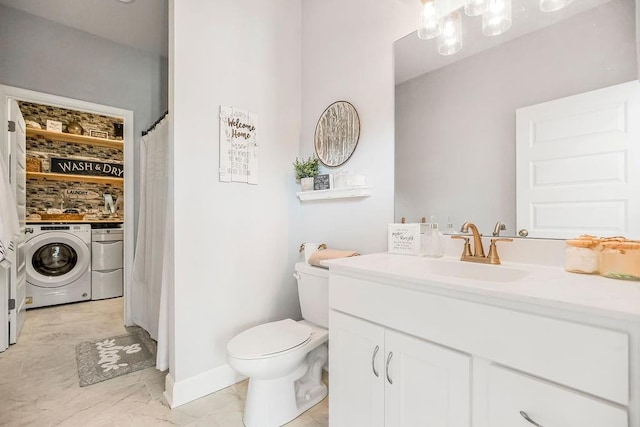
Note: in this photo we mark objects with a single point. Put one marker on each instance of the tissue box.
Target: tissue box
(345, 180)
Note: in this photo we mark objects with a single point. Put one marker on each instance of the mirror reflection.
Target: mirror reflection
(456, 120)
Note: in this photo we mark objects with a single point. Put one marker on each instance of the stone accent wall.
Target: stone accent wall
(86, 197)
(41, 113)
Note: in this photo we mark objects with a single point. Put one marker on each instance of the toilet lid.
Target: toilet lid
(268, 339)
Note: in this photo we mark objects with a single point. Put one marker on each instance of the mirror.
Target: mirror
(455, 121)
(337, 134)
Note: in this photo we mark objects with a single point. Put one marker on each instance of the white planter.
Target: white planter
(306, 184)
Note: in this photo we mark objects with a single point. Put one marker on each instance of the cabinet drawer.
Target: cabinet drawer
(106, 284)
(546, 404)
(106, 255)
(586, 358)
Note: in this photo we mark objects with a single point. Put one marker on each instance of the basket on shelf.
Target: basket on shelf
(61, 217)
(34, 165)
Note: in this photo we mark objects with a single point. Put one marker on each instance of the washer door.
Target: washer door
(56, 259)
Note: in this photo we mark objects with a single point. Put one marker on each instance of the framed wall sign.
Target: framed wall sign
(404, 239)
(98, 133)
(238, 145)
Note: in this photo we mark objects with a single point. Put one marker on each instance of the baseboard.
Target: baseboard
(187, 390)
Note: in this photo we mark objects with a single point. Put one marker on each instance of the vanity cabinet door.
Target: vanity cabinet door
(520, 400)
(427, 385)
(356, 388)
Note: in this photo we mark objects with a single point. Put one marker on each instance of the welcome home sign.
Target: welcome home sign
(86, 167)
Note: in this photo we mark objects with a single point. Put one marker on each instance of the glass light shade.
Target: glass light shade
(477, 7)
(498, 19)
(430, 25)
(553, 5)
(450, 40)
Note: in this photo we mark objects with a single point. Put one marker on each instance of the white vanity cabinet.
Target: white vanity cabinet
(390, 378)
(469, 358)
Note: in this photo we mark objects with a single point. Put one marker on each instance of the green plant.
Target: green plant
(306, 168)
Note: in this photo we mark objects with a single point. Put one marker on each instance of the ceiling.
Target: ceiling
(142, 24)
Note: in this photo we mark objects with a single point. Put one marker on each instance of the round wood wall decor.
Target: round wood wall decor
(337, 133)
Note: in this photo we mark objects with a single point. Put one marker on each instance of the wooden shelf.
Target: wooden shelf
(74, 178)
(76, 139)
(74, 221)
(336, 193)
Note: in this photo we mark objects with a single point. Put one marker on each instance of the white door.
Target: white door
(426, 385)
(17, 177)
(5, 279)
(356, 357)
(578, 164)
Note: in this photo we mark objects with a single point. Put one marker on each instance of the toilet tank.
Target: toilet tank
(313, 291)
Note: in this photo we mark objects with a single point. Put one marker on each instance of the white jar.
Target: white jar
(581, 256)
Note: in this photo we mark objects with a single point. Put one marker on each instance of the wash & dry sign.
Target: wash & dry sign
(86, 167)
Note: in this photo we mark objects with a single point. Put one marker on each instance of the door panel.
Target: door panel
(547, 404)
(356, 394)
(428, 385)
(576, 163)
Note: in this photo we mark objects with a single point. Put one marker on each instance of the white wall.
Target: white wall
(347, 54)
(455, 126)
(45, 56)
(231, 241)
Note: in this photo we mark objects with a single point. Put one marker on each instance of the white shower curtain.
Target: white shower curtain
(152, 279)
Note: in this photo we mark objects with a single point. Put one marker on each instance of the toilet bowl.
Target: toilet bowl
(284, 359)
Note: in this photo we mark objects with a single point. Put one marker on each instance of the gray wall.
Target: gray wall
(455, 126)
(44, 56)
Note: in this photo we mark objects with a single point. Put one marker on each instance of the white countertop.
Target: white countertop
(543, 285)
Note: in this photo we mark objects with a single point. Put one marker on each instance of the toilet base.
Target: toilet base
(275, 402)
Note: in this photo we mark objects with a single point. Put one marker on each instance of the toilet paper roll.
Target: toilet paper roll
(310, 248)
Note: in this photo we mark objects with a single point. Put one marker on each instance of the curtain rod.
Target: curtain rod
(153, 126)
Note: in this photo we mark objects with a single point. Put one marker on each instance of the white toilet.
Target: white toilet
(284, 359)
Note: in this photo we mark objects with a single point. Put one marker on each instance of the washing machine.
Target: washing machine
(58, 258)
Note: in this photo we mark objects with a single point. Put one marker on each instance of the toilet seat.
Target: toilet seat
(269, 339)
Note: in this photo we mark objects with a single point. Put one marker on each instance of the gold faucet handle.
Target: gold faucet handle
(493, 256)
(467, 246)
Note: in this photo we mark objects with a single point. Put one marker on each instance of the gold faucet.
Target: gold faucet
(478, 250)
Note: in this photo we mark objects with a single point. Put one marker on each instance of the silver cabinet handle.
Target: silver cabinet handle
(387, 368)
(523, 232)
(526, 417)
(373, 361)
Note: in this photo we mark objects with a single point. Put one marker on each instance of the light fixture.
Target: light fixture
(441, 19)
(498, 19)
(450, 40)
(476, 7)
(126, 1)
(553, 5)
(430, 23)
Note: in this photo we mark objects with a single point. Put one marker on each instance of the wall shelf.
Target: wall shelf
(75, 178)
(76, 139)
(336, 193)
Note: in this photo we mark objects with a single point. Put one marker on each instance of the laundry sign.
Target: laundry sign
(86, 167)
(238, 145)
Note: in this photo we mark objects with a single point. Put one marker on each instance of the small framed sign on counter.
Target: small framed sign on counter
(404, 239)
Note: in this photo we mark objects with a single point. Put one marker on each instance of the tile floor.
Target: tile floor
(39, 380)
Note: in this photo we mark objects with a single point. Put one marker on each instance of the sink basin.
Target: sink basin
(468, 270)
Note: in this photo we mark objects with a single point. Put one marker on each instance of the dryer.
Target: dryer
(58, 258)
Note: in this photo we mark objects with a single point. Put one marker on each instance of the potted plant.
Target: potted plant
(305, 171)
